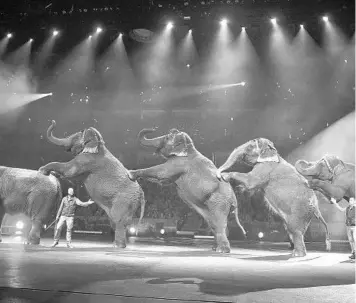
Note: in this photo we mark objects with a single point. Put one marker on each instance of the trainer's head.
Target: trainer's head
(70, 191)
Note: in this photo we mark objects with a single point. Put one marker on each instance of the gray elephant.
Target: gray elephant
(31, 193)
(330, 175)
(286, 192)
(104, 176)
(194, 177)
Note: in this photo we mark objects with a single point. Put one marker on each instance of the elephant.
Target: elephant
(330, 175)
(286, 192)
(193, 174)
(31, 193)
(103, 175)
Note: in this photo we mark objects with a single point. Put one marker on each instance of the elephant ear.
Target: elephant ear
(268, 153)
(92, 141)
(334, 164)
(181, 144)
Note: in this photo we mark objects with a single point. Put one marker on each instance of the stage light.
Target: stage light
(243, 28)
(169, 25)
(190, 31)
(188, 65)
(120, 35)
(223, 22)
(31, 40)
(325, 18)
(302, 26)
(243, 83)
(274, 21)
(260, 235)
(9, 35)
(55, 33)
(90, 36)
(99, 30)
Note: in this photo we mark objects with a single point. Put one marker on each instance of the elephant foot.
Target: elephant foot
(225, 248)
(33, 241)
(130, 176)
(119, 245)
(298, 254)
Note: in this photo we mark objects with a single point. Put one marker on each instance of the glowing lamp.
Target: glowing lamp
(132, 230)
(31, 40)
(223, 22)
(55, 33)
(243, 28)
(302, 26)
(260, 235)
(99, 30)
(9, 35)
(169, 25)
(274, 21)
(19, 225)
(162, 231)
(325, 18)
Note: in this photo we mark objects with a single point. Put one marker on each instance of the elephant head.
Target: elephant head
(252, 152)
(86, 141)
(175, 143)
(324, 169)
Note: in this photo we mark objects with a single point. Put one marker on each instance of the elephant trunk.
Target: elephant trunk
(58, 141)
(306, 168)
(155, 142)
(235, 156)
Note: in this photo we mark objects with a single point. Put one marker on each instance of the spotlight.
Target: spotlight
(99, 30)
(31, 40)
(132, 230)
(90, 36)
(162, 231)
(325, 18)
(223, 22)
(188, 65)
(243, 28)
(302, 26)
(9, 35)
(260, 235)
(243, 83)
(190, 31)
(274, 21)
(55, 33)
(169, 25)
(120, 35)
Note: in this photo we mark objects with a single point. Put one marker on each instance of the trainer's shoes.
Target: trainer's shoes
(55, 243)
(69, 245)
(352, 257)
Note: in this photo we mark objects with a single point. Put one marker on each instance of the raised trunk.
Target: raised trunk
(58, 141)
(235, 156)
(306, 168)
(155, 142)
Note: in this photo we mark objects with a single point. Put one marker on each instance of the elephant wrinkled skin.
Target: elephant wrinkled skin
(194, 177)
(330, 175)
(286, 192)
(104, 176)
(31, 193)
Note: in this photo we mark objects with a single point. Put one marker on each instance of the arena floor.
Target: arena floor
(174, 270)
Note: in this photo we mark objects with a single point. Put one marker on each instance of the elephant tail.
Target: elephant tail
(143, 204)
(319, 216)
(59, 194)
(236, 215)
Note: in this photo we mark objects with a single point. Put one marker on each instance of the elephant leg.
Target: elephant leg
(299, 245)
(222, 243)
(35, 233)
(2, 214)
(112, 231)
(120, 235)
